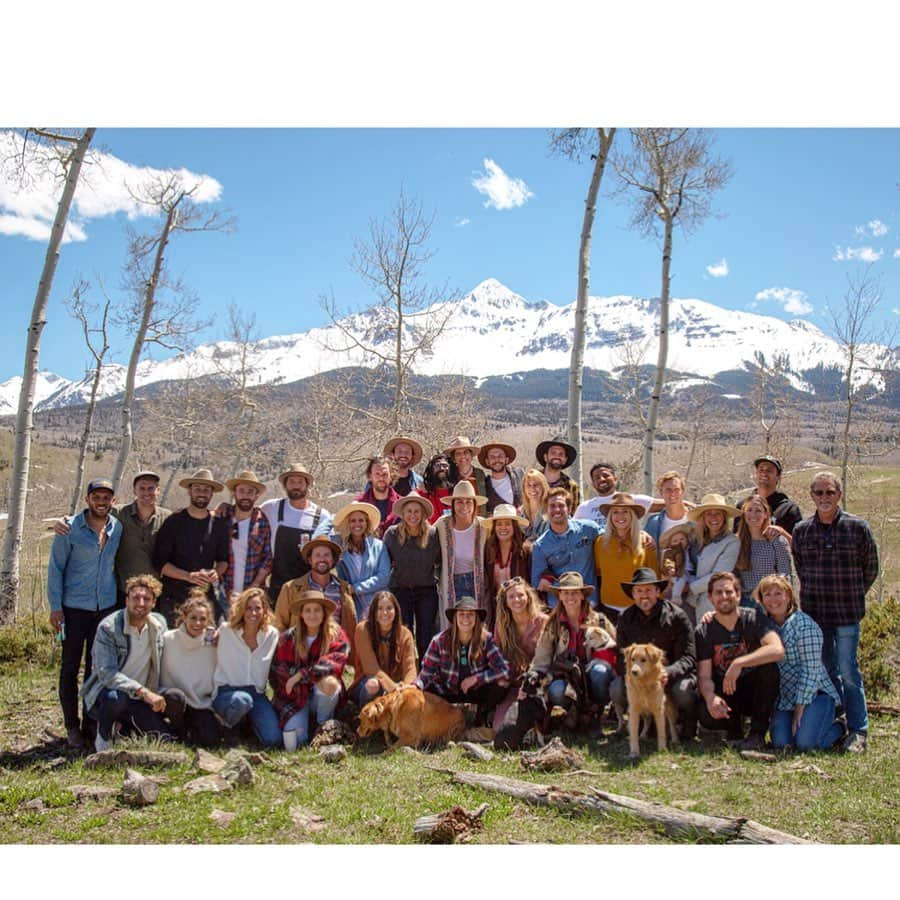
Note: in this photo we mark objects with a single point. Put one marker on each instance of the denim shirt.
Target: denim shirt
(571, 551)
(80, 575)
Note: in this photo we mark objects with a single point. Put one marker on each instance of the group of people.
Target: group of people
(489, 585)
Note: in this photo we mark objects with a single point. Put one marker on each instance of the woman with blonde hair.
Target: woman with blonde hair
(715, 548)
(534, 503)
(364, 564)
(307, 668)
(243, 656)
(763, 549)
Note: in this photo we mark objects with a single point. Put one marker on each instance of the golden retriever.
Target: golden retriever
(646, 695)
(412, 716)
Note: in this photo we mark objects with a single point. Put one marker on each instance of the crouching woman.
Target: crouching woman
(306, 672)
(463, 664)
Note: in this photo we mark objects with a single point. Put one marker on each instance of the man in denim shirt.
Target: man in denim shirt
(81, 587)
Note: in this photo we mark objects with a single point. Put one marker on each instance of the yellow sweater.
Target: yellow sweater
(615, 566)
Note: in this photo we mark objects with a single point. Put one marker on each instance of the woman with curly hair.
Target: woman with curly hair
(534, 503)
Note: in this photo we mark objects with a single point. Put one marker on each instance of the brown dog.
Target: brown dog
(646, 695)
(413, 716)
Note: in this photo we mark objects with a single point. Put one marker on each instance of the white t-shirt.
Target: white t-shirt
(590, 509)
(503, 488)
(239, 554)
(464, 550)
(137, 663)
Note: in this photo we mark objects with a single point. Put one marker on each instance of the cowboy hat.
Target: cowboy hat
(296, 469)
(416, 448)
(321, 541)
(460, 443)
(509, 451)
(463, 490)
(403, 502)
(665, 539)
(540, 452)
(505, 511)
(621, 500)
(712, 501)
(367, 509)
(245, 477)
(643, 575)
(202, 476)
(571, 581)
(466, 603)
(297, 603)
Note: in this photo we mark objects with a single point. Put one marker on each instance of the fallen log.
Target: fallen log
(883, 709)
(674, 822)
(108, 759)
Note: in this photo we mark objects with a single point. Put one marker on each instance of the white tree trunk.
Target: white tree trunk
(18, 486)
(85, 437)
(653, 411)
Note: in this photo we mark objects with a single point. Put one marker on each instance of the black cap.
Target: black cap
(769, 459)
(100, 484)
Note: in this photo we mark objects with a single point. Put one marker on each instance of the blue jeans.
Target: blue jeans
(817, 730)
(839, 656)
(113, 706)
(233, 703)
(599, 677)
(319, 703)
(361, 696)
(464, 585)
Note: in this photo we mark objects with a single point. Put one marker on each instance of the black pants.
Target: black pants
(193, 726)
(419, 608)
(81, 626)
(519, 719)
(755, 696)
(486, 696)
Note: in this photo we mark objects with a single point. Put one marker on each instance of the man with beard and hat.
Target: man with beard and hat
(293, 521)
(321, 555)
(250, 551)
(553, 456)
(461, 451)
(405, 453)
(504, 484)
(192, 546)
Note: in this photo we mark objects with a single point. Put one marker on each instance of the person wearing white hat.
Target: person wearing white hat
(250, 550)
(716, 548)
(365, 563)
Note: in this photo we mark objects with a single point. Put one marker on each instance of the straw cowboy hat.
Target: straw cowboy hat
(463, 490)
(245, 477)
(483, 452)
(466, 603)
(297, 603)
(369, 511)
(321, 541)
(643, 575)
(203, 476)
(621, 500)
(685, 528)
(571, 581)
(460, 443)
(296, 469)
(540, 452)
(424, 502)
(416, 448)
(505, 511)
(713, 501)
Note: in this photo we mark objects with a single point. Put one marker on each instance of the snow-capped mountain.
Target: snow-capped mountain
(491, 331)
(47, 385)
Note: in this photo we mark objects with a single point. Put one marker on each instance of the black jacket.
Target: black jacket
(668, 628)
(785, 512)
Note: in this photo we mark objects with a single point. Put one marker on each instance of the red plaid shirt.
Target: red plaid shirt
(440, 669)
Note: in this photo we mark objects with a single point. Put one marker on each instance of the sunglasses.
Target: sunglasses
(828, 493)
(518, 579)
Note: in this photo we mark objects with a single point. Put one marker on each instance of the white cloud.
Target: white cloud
(793, 301)
(719, 269)
(877, 228)
(864, 254)
(461, 223)
(107, 186)
(897, 253)
(502, 192)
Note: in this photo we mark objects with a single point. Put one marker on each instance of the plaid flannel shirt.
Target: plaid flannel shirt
(801, 673)
(836, 565)
(440, 670)
(259, 548)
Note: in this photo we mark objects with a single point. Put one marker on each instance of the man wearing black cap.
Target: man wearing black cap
(767, 475)
(81, 588)
(652, 620)
(554, 456)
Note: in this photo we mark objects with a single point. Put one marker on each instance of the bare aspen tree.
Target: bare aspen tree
(97, 341)
(165, 322)
(71, 151)
(575, 144)
(670, 176)
(768, 394)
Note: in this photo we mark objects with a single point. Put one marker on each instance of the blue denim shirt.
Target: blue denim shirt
(80, 575)
(571, 551)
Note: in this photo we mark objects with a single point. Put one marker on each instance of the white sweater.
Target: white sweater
(188, 664)
(238, 665)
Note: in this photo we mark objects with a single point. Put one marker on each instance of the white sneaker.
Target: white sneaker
(101, 744)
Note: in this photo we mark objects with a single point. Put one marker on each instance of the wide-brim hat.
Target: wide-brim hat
(371, 512)
(665, 539)
(202, 476)
(713, 501)
(245, 477)
(321, 541)
(644, 575)
(416, 448)
(540, 452)
(769, 459)
(463, 490)
(401, 504)
(466, 603)
(622, 500)
(506, 448)
(571, 581)
(505, 511)
(460, 442)
(296, 469)
(297, 603)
